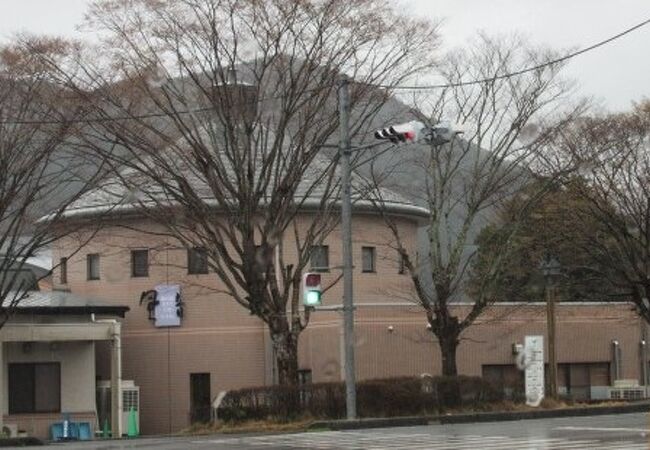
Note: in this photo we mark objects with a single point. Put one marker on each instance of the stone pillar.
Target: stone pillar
(116, 381)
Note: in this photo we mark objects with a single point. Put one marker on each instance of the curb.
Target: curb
(543, 414)
(359, 424)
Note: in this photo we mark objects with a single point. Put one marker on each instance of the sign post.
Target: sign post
(534, 375)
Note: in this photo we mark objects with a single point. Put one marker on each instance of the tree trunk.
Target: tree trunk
(448, 347)
(285, 346)
(449, 388)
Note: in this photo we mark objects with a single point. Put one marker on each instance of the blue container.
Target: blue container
(76, 431)
(84, 432)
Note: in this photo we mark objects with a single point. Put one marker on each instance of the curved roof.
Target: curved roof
(128, 193)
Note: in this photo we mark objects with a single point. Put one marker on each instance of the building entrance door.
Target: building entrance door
(200, 398)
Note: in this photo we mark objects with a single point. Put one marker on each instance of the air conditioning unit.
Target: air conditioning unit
(10, 430)
(130, 399)
(627, 393)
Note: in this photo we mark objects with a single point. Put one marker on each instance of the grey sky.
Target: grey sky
(616, 74)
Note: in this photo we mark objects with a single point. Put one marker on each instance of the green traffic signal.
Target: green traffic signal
(312, 298)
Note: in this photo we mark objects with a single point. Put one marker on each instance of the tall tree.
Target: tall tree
(225, 106)
(43, 170)
(613, 153)
(506, 123)
(552, 227)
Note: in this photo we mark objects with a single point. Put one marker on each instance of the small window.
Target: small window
(197, 261)
(304, 377)
(139, 263)
(320, 258)
(34, 388)
(92, 266)
(63, 270)
(368, 259)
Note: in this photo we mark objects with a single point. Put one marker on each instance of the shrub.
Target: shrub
(375, 398)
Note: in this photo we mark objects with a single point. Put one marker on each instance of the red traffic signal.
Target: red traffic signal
(404, 132)
(312, 280)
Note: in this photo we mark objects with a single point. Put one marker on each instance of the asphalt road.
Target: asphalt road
(612, 432)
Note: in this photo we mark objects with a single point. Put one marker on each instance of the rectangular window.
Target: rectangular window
(34, 388)
(92, 266)
(368, 259)
(63, 270)
(139, 263)
(320, 258)
(304, 377)
(197, 261)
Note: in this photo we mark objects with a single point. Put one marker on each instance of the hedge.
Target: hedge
(375, 398)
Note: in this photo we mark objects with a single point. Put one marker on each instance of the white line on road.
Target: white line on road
(628, 430)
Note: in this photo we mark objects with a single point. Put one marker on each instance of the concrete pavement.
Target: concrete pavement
(609, 432)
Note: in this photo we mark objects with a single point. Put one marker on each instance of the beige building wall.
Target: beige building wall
(77, 365)
(77, 362)
(217, 336)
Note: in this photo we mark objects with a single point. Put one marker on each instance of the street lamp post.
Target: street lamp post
(551, 269)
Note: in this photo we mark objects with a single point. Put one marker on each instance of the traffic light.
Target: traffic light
(415, 131)
(311, 289)
(409, 132)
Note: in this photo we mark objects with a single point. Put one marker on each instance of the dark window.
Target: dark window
(139, 263)
(197, 261)
(92, 266)
(368, 259)
(34, 388)
(304, 377)
(505, 377)
(200, 397)
(320, 258)
(63, 270)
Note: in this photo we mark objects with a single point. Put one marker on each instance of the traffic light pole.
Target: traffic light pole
(346, 231)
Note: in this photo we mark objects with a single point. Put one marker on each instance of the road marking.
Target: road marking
(629, 430)
(335, 440)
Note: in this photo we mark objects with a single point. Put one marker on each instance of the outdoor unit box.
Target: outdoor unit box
(10, 430)
(130, 399)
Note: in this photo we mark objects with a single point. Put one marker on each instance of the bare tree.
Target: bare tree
(613, 153)
(224, 109)
(506, 121)
(42, 169)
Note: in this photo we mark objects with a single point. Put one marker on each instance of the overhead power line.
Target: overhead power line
(394, 87)
(527, 69)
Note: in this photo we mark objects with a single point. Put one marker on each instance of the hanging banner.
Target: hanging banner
(169, 309)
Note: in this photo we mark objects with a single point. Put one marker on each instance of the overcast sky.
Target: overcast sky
(616, 74)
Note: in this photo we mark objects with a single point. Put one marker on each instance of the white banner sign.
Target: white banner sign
(167, 309)
(534, 362)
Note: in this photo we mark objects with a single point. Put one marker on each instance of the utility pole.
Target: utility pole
(346, 232)
(551, 269)
(550, 322)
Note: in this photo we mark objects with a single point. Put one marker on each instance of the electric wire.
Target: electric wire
(525, 70)
(386, 86)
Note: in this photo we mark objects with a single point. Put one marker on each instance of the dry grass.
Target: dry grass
(258, 426)
(269, 426)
